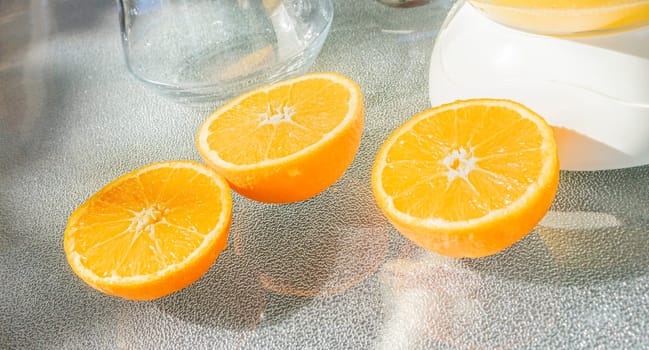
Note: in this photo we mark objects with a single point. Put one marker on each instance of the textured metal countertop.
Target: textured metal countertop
(328, 273)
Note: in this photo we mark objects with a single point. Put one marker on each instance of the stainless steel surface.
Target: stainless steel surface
(327, 273)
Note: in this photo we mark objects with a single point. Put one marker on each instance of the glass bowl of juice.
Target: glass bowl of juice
(567, 17)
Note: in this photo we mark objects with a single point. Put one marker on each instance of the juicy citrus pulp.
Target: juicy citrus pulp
(152, 231)
(567, 17)
(287, 141)
(467, 179)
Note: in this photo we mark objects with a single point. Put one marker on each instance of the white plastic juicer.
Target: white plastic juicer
(593, 89)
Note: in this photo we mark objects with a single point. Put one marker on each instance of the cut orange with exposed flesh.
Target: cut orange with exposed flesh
(287, 141)
(469, 178)
(150, 232)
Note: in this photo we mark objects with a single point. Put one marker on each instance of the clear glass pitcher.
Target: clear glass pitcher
(207, 50)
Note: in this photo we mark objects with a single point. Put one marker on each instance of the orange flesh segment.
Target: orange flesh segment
(423, 186)
(278, 123)
(146, 224)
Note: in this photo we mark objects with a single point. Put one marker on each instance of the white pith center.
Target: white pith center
(147, 217)
(142, 222)
(283, 114)
(460, 163)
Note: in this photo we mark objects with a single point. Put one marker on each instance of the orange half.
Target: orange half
(469, 178)
(287, 141)
(152, 231)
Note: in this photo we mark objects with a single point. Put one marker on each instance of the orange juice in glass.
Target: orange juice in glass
(565, 17)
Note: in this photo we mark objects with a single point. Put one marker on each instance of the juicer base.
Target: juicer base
(593, 90)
